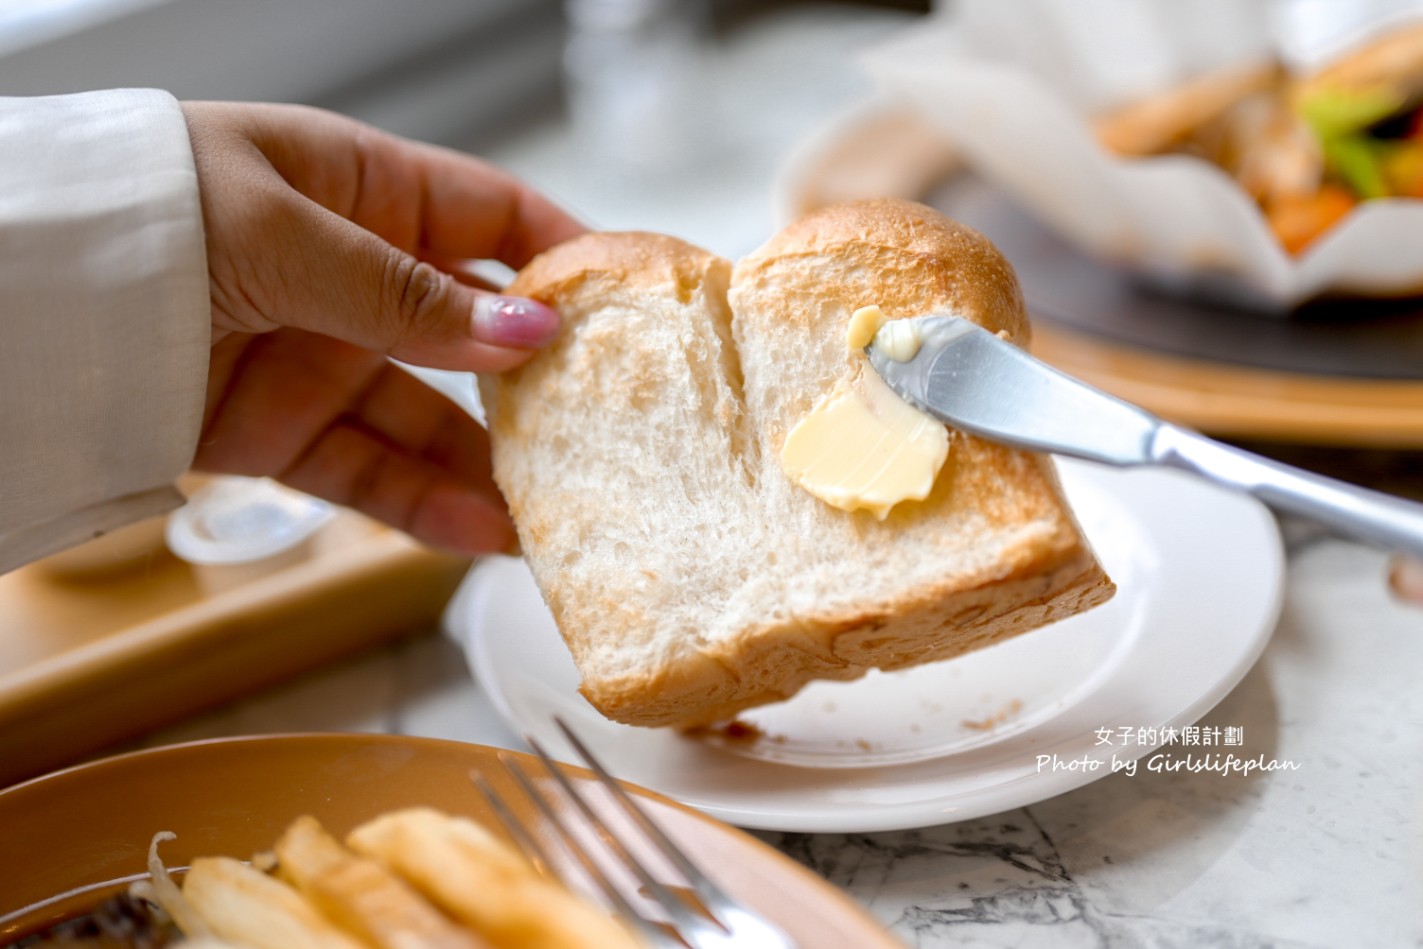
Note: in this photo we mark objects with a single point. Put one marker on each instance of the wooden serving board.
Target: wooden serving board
(114, 639)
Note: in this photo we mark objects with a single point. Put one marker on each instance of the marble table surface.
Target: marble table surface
(1327, 855)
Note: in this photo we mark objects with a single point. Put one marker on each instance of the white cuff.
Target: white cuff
(105, 322)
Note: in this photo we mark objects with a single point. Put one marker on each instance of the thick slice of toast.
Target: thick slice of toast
(640, 456)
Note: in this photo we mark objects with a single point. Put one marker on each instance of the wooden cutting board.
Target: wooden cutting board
(113, 639)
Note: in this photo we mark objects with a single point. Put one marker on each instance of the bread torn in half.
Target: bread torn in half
(640, 456)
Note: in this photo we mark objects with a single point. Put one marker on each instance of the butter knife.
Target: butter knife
(970, 378)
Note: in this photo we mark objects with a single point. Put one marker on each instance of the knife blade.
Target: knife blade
(974, 381)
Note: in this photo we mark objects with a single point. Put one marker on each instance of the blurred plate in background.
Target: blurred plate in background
(1338, 373)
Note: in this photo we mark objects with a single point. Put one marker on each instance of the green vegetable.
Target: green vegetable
(1333, 113)
(1359, 161)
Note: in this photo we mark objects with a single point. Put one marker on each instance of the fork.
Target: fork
(712, 919)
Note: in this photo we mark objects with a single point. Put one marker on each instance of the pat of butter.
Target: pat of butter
(898, 339)
(864, 324)
(862, 447)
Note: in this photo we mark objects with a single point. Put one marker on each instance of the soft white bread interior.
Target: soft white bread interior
(639, 454)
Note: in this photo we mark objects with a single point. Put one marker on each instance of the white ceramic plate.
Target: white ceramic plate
(1199, 574)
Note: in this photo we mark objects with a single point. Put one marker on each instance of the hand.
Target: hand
(330, 246)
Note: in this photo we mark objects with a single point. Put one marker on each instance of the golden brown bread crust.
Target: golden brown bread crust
(910, 260)
(627, 257)
(909, 253)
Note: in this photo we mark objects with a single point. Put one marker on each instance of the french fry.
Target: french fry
(1154, 124)
(362, 896)
(478, 879)
(247, 907)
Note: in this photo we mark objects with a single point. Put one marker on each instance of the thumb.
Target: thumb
(330, 276)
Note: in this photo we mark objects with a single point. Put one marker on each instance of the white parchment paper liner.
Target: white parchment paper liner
(1178, 220)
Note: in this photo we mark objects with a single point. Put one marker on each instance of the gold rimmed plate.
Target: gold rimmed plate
(76, 836)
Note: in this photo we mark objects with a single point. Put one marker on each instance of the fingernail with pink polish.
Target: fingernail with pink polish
(513, 321)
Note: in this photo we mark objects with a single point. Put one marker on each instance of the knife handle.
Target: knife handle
(1369, 516)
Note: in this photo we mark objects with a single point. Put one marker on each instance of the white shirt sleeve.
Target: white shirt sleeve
(105, 320)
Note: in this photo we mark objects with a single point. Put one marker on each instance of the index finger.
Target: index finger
(426, 200)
